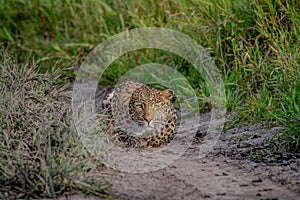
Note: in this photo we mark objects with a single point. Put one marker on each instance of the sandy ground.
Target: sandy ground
(226, 172)
(222, 174)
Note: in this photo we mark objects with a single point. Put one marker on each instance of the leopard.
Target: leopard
(140, 116)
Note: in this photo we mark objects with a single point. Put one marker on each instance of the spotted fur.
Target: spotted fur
(140, 115)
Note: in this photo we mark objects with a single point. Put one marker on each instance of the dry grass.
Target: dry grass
(40, 156)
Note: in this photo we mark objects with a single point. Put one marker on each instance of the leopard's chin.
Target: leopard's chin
(149, 128)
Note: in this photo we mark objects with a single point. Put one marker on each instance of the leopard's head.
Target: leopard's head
(150, 108)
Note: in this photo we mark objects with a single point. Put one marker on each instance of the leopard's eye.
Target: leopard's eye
(140, 105)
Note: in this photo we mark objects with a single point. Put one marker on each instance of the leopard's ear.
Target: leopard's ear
(167, 94)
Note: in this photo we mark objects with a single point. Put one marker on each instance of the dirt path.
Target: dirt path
(225, 173)
(222, 174)
(207, 178)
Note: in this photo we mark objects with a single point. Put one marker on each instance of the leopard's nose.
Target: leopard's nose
(148, 119)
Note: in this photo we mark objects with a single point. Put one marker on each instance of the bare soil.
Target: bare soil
(227, 172)
(222, 174)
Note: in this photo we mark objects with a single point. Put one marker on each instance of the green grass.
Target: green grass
(256, 45)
